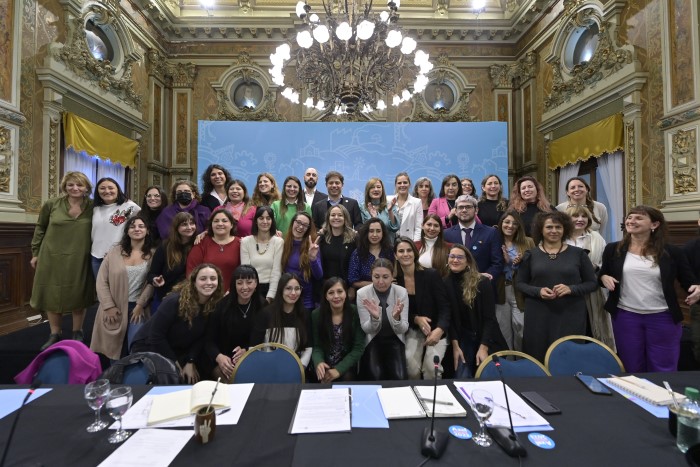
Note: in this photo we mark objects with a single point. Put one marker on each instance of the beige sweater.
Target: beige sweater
(113, 291)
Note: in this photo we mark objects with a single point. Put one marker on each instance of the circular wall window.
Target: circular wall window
(581, 45)
(247, 95)
(98, 42)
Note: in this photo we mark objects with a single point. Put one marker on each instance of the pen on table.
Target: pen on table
(464, 391)
(634, 383)
(221, 412)
(437, 401)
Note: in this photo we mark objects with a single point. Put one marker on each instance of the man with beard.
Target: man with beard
(312, 195)
(334, 185)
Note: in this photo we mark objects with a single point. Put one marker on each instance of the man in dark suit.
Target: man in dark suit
(334, 185)
(311, 194)
(483, 242)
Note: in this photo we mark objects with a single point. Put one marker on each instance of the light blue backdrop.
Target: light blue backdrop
(359, 151)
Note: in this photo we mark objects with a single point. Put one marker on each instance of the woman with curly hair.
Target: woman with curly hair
(214, 182)
(528, 199)
(492, 204)
(301, 255)
(178, 330)
(474, 330)
(123, 291)
(266, 191)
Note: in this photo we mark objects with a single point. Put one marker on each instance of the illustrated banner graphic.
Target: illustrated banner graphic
(359, 151)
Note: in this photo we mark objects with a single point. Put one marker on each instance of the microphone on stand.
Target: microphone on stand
(434, 442)
(35, 384)
(503, 435)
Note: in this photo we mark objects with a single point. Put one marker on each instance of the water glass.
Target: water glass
(96, 394)
(482, 405)
(119, 402)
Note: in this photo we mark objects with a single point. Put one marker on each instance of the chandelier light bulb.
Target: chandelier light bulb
(304, 39)
(321, 34)
(381, 105)
(405, 95)
(314, 18)
(384, 16)
(365, 30)
(321, 105)
(344, 31)
(425, 67)
(300, 9)
(408, 45)
(396, 101)
(397, 3)
(421, 57)
(276, 60)
(283, 50)
(393, 38)
(207, 3)
(478, 4)
(309, 102)
(420, 84)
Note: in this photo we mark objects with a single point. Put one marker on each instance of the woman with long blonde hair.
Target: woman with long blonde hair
(474, 330)
(266, 191)
(375, 205)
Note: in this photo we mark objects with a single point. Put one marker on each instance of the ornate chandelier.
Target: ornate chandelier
(348, 61)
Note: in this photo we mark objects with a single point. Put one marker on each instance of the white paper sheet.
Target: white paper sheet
(149, 448)
(322, 411)
(523, 415)
(137, 416)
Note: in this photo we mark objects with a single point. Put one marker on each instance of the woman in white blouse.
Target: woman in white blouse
(263, 251)
(409, 207)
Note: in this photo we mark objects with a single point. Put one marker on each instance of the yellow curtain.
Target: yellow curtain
(595, 140)
(83, 135)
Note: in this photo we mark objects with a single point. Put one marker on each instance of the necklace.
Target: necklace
(257, 247)
(552, 256)
(245, 313)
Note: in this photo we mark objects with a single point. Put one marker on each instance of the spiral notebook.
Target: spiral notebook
(644, 389)
(417, 402)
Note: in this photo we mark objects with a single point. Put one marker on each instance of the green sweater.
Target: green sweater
(352, 355)
(284, 222)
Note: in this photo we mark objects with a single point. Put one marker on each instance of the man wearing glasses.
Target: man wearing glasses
(484, 243)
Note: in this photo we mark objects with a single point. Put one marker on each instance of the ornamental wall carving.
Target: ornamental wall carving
(511, 76)
(116, 77)
(173, 74)
(684, 160)
(453, 103)
(5, 160)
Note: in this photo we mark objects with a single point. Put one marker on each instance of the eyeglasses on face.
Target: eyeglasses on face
(292, 288)
(457, 257)
(156, 195)
(301, 224)
(467, 207)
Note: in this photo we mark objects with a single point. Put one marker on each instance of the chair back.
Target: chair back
(522, 365)
(55, 369)
(269, 363)
(573, 354)
(136, 373)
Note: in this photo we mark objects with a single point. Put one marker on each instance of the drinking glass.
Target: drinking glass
(96, 394)
(482, 404)
(118, 403)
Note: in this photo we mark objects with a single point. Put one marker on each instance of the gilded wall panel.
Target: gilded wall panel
(680, 37)
(684, 162)
(29, 168)
(527, 123)
(502, 108)
(7, 14)
(181, 128)
(157, 122)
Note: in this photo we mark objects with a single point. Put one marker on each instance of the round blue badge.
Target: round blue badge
(541, 441)
(460, 432)
(474, 248)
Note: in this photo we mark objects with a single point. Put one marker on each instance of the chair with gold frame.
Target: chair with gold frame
(522, 365)
(581, 354)
(269, 363)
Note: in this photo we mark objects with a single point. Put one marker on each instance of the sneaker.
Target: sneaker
(53, 338)
(78, 335)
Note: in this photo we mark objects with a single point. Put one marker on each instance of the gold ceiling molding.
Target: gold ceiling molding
(513, 75)
(503, 21)
(75, 54)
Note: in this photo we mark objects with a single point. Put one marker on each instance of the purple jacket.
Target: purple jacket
(84, 363)
(199, 212)
(293, 266)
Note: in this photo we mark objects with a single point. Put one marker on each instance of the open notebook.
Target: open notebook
(417, 402)
(644, 389)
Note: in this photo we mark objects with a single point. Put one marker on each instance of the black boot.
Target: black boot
(78, 335)
(53, 338)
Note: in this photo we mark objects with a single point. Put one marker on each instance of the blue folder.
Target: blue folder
(366, 409)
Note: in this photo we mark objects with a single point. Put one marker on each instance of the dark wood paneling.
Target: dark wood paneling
(16, 275)
(679, 233)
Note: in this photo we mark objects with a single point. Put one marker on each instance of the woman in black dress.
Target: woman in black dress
(554, 277)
